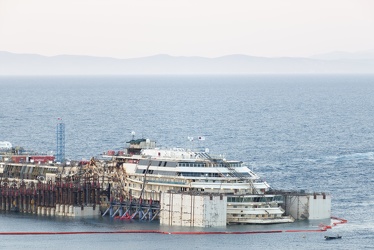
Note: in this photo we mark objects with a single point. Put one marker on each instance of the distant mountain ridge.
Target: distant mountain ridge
(332, 63)
(339, 55)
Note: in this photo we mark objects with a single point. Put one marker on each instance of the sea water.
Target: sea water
(296, 131)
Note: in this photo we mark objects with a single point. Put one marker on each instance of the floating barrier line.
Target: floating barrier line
(225, 232)
(321, 229)
(84, 232)
(134, 232)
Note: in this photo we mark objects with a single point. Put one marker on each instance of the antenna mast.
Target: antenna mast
(60, 133)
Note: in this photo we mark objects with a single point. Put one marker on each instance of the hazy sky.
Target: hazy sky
(211, 28)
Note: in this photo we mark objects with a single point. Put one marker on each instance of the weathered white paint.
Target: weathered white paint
(85, 212)
(320, 208)
(75, 211)
(308, 206)
(196, 210)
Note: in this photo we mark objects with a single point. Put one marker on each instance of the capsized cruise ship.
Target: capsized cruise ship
(147, 171)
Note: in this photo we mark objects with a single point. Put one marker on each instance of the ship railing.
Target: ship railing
(295, 192)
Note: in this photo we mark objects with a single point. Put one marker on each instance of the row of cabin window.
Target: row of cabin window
(186, 164)
(198, 165)
(204, 164)
(254, 199)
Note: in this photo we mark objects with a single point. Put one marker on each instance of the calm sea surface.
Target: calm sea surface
(297, 132)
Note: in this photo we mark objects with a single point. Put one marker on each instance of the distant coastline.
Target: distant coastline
(331, 63)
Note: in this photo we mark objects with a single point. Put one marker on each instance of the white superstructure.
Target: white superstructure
(5, 145)
(150, 171)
